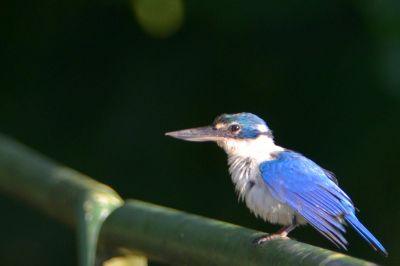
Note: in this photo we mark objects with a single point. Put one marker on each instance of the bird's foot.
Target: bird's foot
(282, 233)
(264, 238)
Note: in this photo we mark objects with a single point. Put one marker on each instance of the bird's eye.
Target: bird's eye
(234, 128)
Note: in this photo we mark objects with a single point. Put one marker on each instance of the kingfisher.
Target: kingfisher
(279, 185)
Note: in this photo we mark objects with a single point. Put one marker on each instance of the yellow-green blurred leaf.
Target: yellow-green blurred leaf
(159, 18)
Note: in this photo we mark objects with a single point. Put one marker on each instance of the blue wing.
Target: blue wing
(311, 191)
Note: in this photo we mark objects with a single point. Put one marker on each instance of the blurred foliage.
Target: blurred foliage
(159, 18)
(95, 85)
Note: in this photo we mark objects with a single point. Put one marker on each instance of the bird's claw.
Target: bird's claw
(264, 238)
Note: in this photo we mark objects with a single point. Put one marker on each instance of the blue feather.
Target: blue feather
(360, 228)
(313, 193)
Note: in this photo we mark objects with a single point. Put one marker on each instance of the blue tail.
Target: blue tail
(357, 225)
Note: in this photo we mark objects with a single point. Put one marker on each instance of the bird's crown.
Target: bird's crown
(242, 125)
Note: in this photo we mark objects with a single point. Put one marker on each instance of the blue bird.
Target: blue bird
(279, 185)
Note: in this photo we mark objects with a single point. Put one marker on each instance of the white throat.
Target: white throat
(258, 149)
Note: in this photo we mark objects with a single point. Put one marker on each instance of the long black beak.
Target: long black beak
(207, 133)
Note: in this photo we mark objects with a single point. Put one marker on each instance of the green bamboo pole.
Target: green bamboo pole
(137, 227)
(61, 192)
(179, 238)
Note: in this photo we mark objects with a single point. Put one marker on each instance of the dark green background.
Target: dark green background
(84, 83)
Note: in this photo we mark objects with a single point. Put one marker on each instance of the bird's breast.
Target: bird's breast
(252, 189)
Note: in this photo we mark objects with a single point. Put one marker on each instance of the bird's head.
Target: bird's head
(235, 133)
